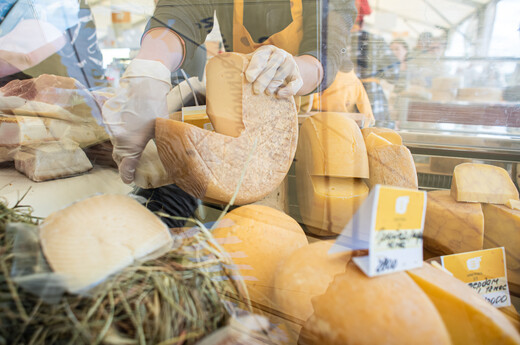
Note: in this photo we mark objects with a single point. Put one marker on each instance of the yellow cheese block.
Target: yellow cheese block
(387, 133)
(328, 203)
(306, 273)
(389, 309)
(474, 182)
(450, 226)
(373, 140)
(392, 165)
(502, 229)
(331, 144)
(224, 88)
(259, 239)
(467, 316)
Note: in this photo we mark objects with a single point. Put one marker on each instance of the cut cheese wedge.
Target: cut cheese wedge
(213, 166)
(306, 273)
(467, 316)
(22, 130)
(502, 229)
(92, 239)
(373, 140)
(389, 309)
(513, 204)
(327, 204)
(392, 165)
(387, 133)
(452, 227)
(259, 239)
(484, 183)
(331, 144)
(51, 160)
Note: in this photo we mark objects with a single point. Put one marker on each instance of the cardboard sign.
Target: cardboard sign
(484, 271)
(389, 224)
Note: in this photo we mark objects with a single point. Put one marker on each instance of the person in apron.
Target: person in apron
(296, 47)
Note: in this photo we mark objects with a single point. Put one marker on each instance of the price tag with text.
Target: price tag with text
(390, 225)
(484, 271)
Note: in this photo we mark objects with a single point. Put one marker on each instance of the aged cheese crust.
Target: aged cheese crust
(210, 165)
(392, 165)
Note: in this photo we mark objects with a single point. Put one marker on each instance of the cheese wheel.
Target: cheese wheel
(467, 316)
(306, 273)
(259, 239)
(212, 166)
(452, 227)
(387, 133)
(94, 238)
(484, 183)
(388, 309)
(392, 165)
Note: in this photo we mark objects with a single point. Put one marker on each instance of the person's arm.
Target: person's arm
(163, 45)
(311, 72)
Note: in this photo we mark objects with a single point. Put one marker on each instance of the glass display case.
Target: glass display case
(221, 171)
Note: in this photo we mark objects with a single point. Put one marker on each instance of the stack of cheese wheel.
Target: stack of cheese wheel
(252, 147)
(420, 306)
(259, 238)
(331, 161)
(482, 210)
(390, 162)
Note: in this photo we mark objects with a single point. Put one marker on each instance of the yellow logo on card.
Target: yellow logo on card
(399, 209)
(476, 266)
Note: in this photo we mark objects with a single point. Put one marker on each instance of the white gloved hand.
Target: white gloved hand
(274, 71)
(130, 115)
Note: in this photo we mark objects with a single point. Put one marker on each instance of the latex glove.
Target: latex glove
(274, 71)
(130, 115)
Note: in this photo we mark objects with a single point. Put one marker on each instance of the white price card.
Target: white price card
(390, 225)
(484, 271)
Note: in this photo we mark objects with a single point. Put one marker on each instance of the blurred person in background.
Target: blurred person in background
(373, 61)
(49, 37)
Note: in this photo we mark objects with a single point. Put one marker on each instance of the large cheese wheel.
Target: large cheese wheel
(306, 273)
(452, 227)
(388, 309)
(259, 239)
(213, 166)
(467, 316)
(485, 183)
(96, 237)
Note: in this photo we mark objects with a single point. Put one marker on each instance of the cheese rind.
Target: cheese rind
(387, 133)
(96, 237)
(392, 165)
(259, 239)
(452, 227)
(331, 144)
(502, 229)
(484, 183)
(401, 313)
(47, 161)
(467, 316)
